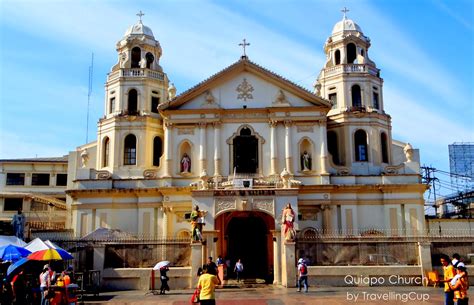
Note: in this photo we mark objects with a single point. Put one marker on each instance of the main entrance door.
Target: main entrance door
(247, 236)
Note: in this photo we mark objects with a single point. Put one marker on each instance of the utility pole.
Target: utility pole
(429, 178)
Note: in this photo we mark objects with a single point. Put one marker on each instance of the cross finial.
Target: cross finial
(344, 11)
(243, 44)
(140, 15)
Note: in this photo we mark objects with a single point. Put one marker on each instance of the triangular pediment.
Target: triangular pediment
(245, 85)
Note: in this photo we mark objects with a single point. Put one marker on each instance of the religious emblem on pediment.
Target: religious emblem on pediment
(245, 90)
(209, 98)
(281, 100)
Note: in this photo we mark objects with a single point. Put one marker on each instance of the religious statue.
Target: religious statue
(123, 60)
(171, 92)
(142, 63)
(197, 221)
(317, 88)
(18, 223)
(408, 150)
(84, 158)
(306, 161)
(285, 177)
(185, 164)
(287, 223)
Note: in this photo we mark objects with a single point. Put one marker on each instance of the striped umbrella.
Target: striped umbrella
(50, 254)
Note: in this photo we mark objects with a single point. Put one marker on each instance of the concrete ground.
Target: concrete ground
(271, 295)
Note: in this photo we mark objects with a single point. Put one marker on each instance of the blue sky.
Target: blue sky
(424, 49)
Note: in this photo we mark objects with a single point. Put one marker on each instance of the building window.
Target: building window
(356, 96)
(136, 57)
(112, 104)
(360, 140)
(351, 53)
(132, 102)
(15, 179)
(154, 104)
(333, 98)
(61, 179)
(130, 150)
(157, 151)
(105, 157)
(375, 100)
(384, 146)
(337, 56)
(12, 204)
(149, 60)
(40, 179)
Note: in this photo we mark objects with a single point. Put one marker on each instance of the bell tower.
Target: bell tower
(359, 130)
(130, 134)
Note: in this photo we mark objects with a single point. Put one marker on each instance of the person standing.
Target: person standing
(45, 282)
(220, 269)
(211, 266)
(302, 275)
(238, 269)
(460, 285)
(207, 285)
(449, 274)
(18, 223)
(164, 280)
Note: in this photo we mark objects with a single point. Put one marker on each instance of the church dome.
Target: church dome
(346, 25)
(139, 29)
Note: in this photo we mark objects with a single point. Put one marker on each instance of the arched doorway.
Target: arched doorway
(245, 152)
(247, 235)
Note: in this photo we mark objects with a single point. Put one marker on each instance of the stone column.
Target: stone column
(202, 147)
(424, 254)
(217, 149)
(168, 149)
(324, 154)
(196, 262)
(326, 211)
(276, 257)
(288, 155)
(273, 149)
(288, 272)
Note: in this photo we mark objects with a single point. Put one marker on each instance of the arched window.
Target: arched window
(384, 147)
(332, 147)
(337, 56)
(360, 140)
(132, 102)
(157, 151)
(130, 150)
(362, 52)
(351, 53)
(106, 150)
(136, 57)
(149, 60)
(356, 96)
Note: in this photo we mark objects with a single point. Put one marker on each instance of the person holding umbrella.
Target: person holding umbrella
(164, 279)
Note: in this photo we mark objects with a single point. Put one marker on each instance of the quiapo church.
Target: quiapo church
(242, 145)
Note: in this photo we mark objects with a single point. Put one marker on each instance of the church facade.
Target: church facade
(242, 145)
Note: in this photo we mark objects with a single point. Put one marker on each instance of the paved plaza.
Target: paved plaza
(269, 295)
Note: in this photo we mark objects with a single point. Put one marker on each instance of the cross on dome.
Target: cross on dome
(243, 44)
(344, 11)
(140, 15)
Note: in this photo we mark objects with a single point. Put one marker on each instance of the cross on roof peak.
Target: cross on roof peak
(140, 15)
(243, 44)
(344, 11)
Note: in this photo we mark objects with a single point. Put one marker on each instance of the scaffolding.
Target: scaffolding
(461, 165)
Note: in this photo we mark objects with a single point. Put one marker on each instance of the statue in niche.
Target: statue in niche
(197, 222)
(287, 223)
(185, 164)
(306, 161)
